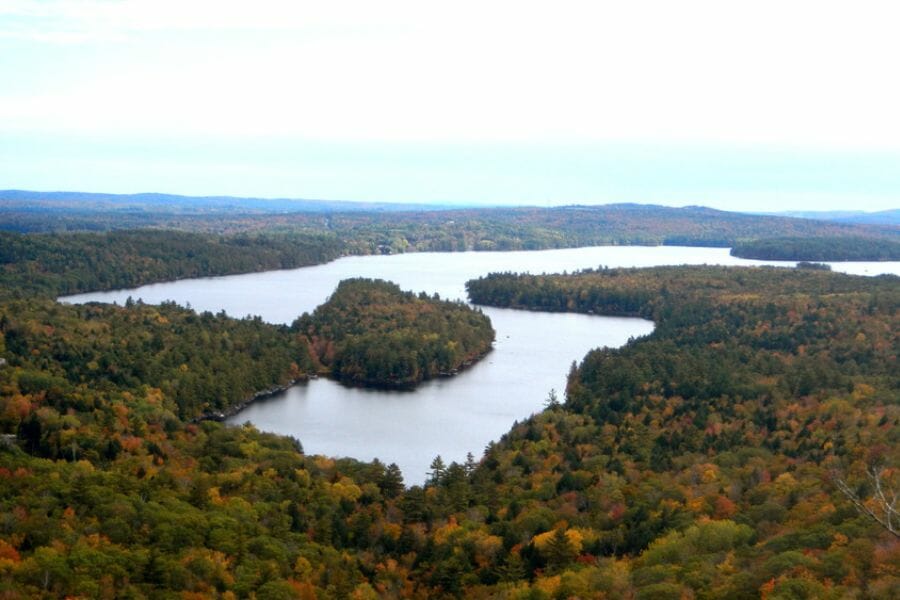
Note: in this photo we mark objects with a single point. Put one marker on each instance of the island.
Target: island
(372, 333)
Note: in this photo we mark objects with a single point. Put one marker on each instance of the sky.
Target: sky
(787, 105)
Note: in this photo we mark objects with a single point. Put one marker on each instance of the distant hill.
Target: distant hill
(173, 203)
(365, 228)
(884, 217)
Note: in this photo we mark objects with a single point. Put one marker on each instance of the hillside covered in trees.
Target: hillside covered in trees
(200, 363)
(574, 226)
(719, 457)
(348, 228)
(60, 264)
(819, 248)
(713, 452)
(370, 332)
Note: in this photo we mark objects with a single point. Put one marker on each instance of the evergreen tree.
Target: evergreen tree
(438, 469)
(391, 481)
(559, 551)
(470, 463)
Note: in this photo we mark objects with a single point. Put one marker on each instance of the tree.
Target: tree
(552, 401)
(456, 483)
(881, 506)
(391, 481)
(512, 569)
(470, 463)
(559, 551)
(413, 505)
(438, 468)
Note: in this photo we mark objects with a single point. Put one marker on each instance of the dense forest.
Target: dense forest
(264, 226)
(200, 363)
(79, 262)
(732, 453)
(881, 217)
(715, 451)
(371, 333)
(723, 456)
(575, 226)
(819, 248)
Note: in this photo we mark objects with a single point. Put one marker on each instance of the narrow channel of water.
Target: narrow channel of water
(450, 416)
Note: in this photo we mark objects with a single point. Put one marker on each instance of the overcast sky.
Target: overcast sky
(738, 105)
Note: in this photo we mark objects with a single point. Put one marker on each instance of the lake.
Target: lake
(449, 417)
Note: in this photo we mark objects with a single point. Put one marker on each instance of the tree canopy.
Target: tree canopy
(729, 454)
(832, 248)
(369, 332)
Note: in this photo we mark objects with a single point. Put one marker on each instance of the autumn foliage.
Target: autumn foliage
(697, 462)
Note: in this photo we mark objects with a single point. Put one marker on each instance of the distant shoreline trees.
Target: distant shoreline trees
(817, 249)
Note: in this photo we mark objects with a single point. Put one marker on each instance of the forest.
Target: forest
(819, 248)
(371, 333)
(199, 363)
(713, 453)
(263, 231)
(59, 264)
(732, 453)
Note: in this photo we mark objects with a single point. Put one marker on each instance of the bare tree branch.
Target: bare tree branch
(882, 506)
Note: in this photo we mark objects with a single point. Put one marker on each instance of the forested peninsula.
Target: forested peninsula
(740, 433)
(371, 333)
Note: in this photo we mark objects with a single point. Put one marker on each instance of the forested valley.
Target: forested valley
(720, 457)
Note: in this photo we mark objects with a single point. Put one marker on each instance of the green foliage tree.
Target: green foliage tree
(559, 551)
(369, 332)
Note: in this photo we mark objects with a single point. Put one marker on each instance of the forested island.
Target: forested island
(370, 332)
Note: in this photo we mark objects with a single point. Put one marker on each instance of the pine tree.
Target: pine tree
(438, 469)
(470, 463)
(391, 481)
(559, 551)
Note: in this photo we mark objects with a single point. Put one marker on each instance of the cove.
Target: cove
(453, 416)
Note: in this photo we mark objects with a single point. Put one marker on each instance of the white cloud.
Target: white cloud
(803, 73)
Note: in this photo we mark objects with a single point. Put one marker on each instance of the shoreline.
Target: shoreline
(409, 387)
(223, 415)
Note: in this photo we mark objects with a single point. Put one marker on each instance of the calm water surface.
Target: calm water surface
(452, 416)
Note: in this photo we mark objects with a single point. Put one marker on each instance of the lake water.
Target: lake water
(451, 416)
